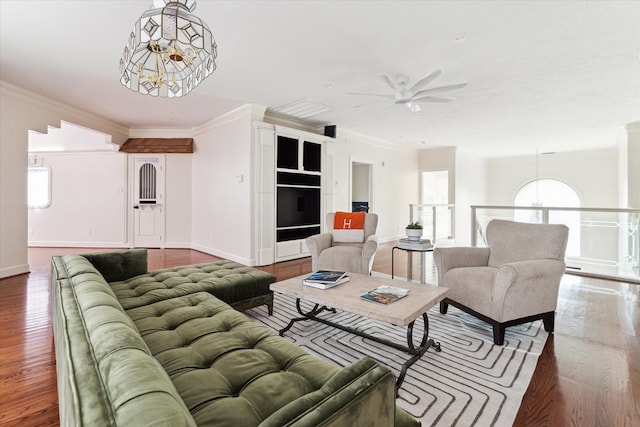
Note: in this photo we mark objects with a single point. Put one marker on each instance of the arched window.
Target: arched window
(547, 192)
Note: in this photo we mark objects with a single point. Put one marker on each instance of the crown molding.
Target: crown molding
(160, 133)
(67, 112)
(253, 111)
(346, 135)
(275, 118)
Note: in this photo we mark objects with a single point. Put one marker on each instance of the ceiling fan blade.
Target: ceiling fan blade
(439, 89)
(433, 99)
(386, 96)
(388, 81)
(425, 81)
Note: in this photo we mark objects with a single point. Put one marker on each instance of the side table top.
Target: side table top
(346, 297)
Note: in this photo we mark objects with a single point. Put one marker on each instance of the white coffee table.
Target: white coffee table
(346, 297)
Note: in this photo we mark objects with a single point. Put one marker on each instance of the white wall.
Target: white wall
(633, 165)
(471, 189)
(178, 200)
(221, 188)
(440, 159)
(89, 201)
(593, 174)
(395, 180)
(21, 111)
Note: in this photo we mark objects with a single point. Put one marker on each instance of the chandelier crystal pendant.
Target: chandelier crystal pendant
(169, 52)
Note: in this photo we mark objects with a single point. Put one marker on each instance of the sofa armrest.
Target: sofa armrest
(526, 288)
(116, 266)
(370, 247)
(456, 257)
(368, 253)
(316, 244)
(360, 395)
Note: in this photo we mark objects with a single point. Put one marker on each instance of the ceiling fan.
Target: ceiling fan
(412, 96)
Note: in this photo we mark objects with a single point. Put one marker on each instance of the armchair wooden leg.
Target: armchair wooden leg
(549, 321)
(444, 307)
(498, 333)
(270, 308)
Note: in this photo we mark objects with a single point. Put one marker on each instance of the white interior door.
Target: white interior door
(148, 198)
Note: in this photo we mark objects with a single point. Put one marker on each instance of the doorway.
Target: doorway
(147, 200)
(361, 186)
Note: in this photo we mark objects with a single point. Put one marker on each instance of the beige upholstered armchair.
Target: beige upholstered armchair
(329, 251)
(512, 281)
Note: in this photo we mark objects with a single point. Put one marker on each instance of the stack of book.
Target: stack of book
(421, 244)
(325, 279)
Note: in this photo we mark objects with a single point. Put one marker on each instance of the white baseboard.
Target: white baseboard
(59, 244)
(223, 254)
(14, 271)
(177, 245)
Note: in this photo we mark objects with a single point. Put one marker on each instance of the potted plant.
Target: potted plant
(414, 230)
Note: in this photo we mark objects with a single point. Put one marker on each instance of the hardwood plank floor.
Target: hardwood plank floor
(587, 375)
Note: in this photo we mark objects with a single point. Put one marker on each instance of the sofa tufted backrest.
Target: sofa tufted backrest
(106, 373)
(511, 241)
(227, 280)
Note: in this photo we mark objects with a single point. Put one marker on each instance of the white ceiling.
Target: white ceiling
(545, 75)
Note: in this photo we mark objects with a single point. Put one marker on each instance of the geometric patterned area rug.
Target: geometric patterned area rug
(471, 382)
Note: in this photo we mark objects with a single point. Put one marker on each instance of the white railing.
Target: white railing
(438, 221)
(603, 242)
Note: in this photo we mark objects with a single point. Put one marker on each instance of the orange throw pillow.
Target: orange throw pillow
(349, 221)
(348, 227)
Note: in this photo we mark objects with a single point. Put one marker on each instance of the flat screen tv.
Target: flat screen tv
(298, 206)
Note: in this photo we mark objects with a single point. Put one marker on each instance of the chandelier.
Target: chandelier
(169, 52)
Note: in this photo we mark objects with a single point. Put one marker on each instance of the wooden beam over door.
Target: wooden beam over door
(158, 145)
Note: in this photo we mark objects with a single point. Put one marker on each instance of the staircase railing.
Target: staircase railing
(603, 242)
(438, 221)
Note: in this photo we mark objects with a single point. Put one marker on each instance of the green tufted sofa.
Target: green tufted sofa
(138, 348)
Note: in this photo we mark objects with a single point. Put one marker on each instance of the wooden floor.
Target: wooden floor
(587, 375)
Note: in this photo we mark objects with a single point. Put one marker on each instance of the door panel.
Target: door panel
(148, 197)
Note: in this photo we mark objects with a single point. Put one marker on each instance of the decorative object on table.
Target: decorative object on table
(333, 251)
(385, 294)
(420, 244)
(169, 52)
(414, 230)
(325, 279)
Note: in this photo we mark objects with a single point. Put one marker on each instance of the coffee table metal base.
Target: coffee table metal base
(416, 352)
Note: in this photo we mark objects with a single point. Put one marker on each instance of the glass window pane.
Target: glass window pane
(39, 187)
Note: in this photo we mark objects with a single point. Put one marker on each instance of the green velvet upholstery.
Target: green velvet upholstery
(240, 286)
(119, 265)
(194, 360)
(106, 373)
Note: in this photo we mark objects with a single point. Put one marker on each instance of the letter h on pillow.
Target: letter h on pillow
(348, 227)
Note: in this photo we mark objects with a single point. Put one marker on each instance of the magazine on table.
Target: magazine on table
(321, 285)
(385, 294)
(325, 276)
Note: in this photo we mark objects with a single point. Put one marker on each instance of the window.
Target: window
(39, 187)
(551, 193)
